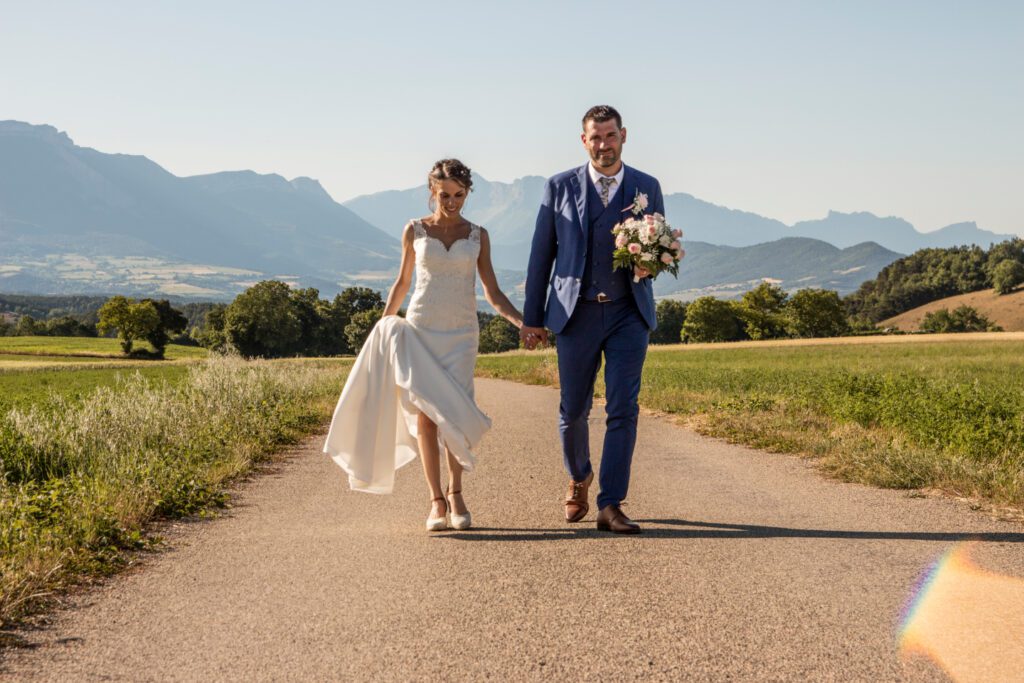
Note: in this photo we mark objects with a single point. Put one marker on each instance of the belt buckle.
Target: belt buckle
(602, 298)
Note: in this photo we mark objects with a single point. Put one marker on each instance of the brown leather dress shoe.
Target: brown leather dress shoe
(611, 518)
(576, 504)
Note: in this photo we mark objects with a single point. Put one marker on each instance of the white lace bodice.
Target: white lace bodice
(444, 298)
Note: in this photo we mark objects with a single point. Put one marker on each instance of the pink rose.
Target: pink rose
(650, 219)
(675, 246)
(634, 248)
(677, 233)
(680, 254)
(667, 259)
(621, 241)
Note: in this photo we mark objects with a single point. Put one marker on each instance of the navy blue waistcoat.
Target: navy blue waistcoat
(598, 273)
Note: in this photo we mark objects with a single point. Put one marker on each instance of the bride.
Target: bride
(410, 390)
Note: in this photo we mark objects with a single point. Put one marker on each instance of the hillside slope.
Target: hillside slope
(1007, 311)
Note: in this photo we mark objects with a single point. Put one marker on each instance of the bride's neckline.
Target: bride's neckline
(447, 246)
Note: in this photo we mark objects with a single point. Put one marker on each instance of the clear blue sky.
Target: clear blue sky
(787, 109)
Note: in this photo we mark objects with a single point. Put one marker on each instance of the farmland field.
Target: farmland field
(945, 412)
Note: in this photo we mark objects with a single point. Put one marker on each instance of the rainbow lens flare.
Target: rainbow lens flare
(967, 620)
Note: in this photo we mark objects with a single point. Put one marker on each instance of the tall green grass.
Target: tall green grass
(24, 388)
(82, 474)
(944, 415)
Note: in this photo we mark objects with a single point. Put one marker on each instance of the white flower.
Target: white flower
(647, 256)
(638, 205)
(665, 240)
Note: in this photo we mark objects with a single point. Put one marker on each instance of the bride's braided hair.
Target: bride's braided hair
(449, 169)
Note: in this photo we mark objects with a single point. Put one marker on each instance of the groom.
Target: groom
(594, 309)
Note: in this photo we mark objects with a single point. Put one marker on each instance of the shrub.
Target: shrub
(961, 319)
(131, 320)
(498, 335)
(360, 326)
(261, 321)
(670, 314)
(816, 313)
(1006, 275)
(761, 311)
(710, 320)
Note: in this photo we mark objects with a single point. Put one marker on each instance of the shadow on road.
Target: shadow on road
(681, 528)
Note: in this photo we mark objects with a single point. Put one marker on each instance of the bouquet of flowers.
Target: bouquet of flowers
(647, 242)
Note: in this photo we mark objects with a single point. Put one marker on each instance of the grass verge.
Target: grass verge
(947, 415)
(82, 471)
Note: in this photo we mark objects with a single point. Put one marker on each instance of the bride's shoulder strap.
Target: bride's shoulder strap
(474, 232)
(417, 227)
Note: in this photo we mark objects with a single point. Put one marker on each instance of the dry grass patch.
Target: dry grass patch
(1005, 310)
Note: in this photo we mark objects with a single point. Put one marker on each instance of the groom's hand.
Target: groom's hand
(532, 336)
(641, 272)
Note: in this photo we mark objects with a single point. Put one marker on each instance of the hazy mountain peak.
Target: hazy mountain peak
(865, 216)
(310, 186)
(226, 181)
(46, 132)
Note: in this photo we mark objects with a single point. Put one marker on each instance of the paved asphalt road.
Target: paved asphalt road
(752, 567)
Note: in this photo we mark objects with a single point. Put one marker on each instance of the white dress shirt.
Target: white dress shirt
(614, 187)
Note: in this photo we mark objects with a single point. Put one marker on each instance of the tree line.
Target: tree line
(765, 312)
(931, 274)
(272, 320)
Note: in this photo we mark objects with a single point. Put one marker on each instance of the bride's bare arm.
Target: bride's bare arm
(401, 286)
(492, 292)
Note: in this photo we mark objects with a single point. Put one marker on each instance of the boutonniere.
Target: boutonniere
(639, 204)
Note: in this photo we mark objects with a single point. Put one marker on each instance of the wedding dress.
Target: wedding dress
(422, 363)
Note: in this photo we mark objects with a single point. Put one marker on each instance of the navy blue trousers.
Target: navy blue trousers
(616, 330)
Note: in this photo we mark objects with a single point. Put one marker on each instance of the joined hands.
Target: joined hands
(533, 336)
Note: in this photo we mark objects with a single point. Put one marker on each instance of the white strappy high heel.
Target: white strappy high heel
(438, 523)
(458, 522)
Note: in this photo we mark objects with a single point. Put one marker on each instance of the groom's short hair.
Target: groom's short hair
(602, 113)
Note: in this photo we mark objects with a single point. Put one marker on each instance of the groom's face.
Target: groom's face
(604, 143)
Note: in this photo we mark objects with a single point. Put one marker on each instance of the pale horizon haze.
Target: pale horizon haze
(785, 109)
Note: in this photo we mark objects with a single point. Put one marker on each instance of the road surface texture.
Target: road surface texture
(751, 567)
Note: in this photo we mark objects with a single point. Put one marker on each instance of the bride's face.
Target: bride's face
(449, 196)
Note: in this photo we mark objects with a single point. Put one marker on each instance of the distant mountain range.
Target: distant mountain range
(508, 211)
(791, 262)
(76, 220)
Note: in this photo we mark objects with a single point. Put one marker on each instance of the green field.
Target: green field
(947, 415)
(37, 386)
(73, 349)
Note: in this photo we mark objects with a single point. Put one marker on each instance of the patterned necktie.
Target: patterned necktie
(606, 183)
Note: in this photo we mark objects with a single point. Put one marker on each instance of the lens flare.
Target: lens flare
(967, 620)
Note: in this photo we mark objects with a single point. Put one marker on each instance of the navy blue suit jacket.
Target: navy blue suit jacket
(560, 241)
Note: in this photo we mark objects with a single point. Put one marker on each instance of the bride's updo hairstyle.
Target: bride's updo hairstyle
(449, 169)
